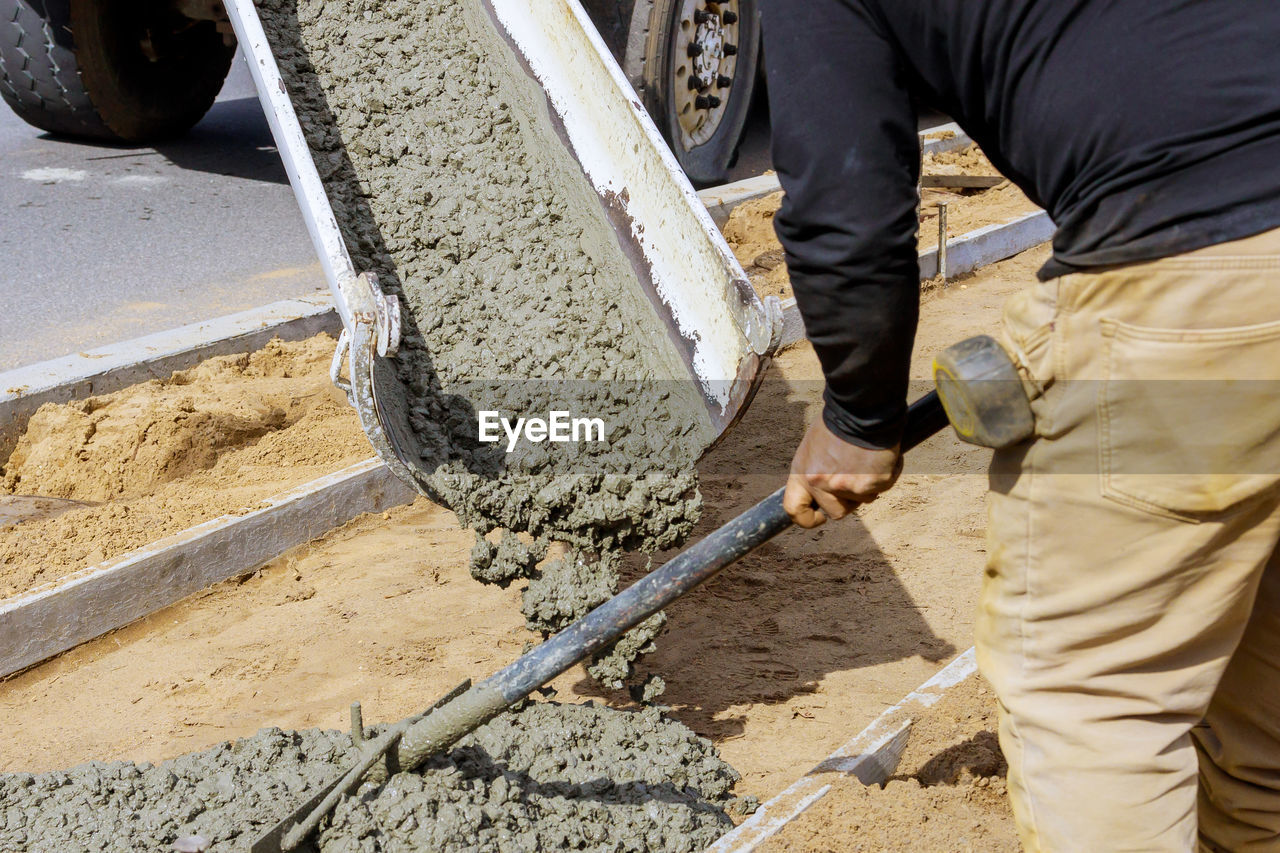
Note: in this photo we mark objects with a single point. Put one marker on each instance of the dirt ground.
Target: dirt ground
(778, 661)
(162, 456)
(750, 226)
(948, 792)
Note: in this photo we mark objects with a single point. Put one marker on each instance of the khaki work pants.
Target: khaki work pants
(1130, 612)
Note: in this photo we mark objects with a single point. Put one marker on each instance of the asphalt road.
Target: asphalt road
(102, 244)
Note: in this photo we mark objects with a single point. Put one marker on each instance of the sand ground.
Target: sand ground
(778, 661)
(948, 792)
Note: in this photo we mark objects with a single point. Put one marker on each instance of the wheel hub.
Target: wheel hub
(709, 37)
(703, 64)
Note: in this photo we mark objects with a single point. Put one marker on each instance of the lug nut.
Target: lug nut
(729, 50)
(701, 16)
(729, 16)
(695, 50)
(695, 83)
(702, 102)
(724, 82)
(712, 102)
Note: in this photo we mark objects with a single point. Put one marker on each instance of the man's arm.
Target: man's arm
(847, 154)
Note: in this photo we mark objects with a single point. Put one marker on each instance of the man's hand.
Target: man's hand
(836, 476)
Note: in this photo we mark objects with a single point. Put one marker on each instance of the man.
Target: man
(1130, 611)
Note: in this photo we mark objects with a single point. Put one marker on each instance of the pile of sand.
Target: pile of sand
(750, 234)
(165, 455)
(969, 210)
(968, 160)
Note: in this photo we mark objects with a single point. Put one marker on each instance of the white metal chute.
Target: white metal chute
(691, 280)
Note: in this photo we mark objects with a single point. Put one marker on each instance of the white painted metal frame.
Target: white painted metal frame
(298, 164)
(701, 291)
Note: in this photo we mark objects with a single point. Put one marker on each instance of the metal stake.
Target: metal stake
(920, 183)
(942, 241)
(357, 725)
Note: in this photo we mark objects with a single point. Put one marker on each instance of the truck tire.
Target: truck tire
(695, 64)
(133, 71)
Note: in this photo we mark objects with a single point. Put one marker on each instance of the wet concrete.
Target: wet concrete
(549, 777)
(554, 777)
(443, 167)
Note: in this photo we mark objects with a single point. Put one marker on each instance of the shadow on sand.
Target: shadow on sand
(807, 604)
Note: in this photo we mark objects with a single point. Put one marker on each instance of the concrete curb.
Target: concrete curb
(44, 622)
(109, 368)
(871, 757)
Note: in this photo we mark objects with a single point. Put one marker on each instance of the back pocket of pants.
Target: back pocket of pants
(1189, 420)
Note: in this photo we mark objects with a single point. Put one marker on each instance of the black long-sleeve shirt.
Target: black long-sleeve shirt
(1146, 128)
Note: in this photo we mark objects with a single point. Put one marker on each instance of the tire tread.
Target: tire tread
(38, 74)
